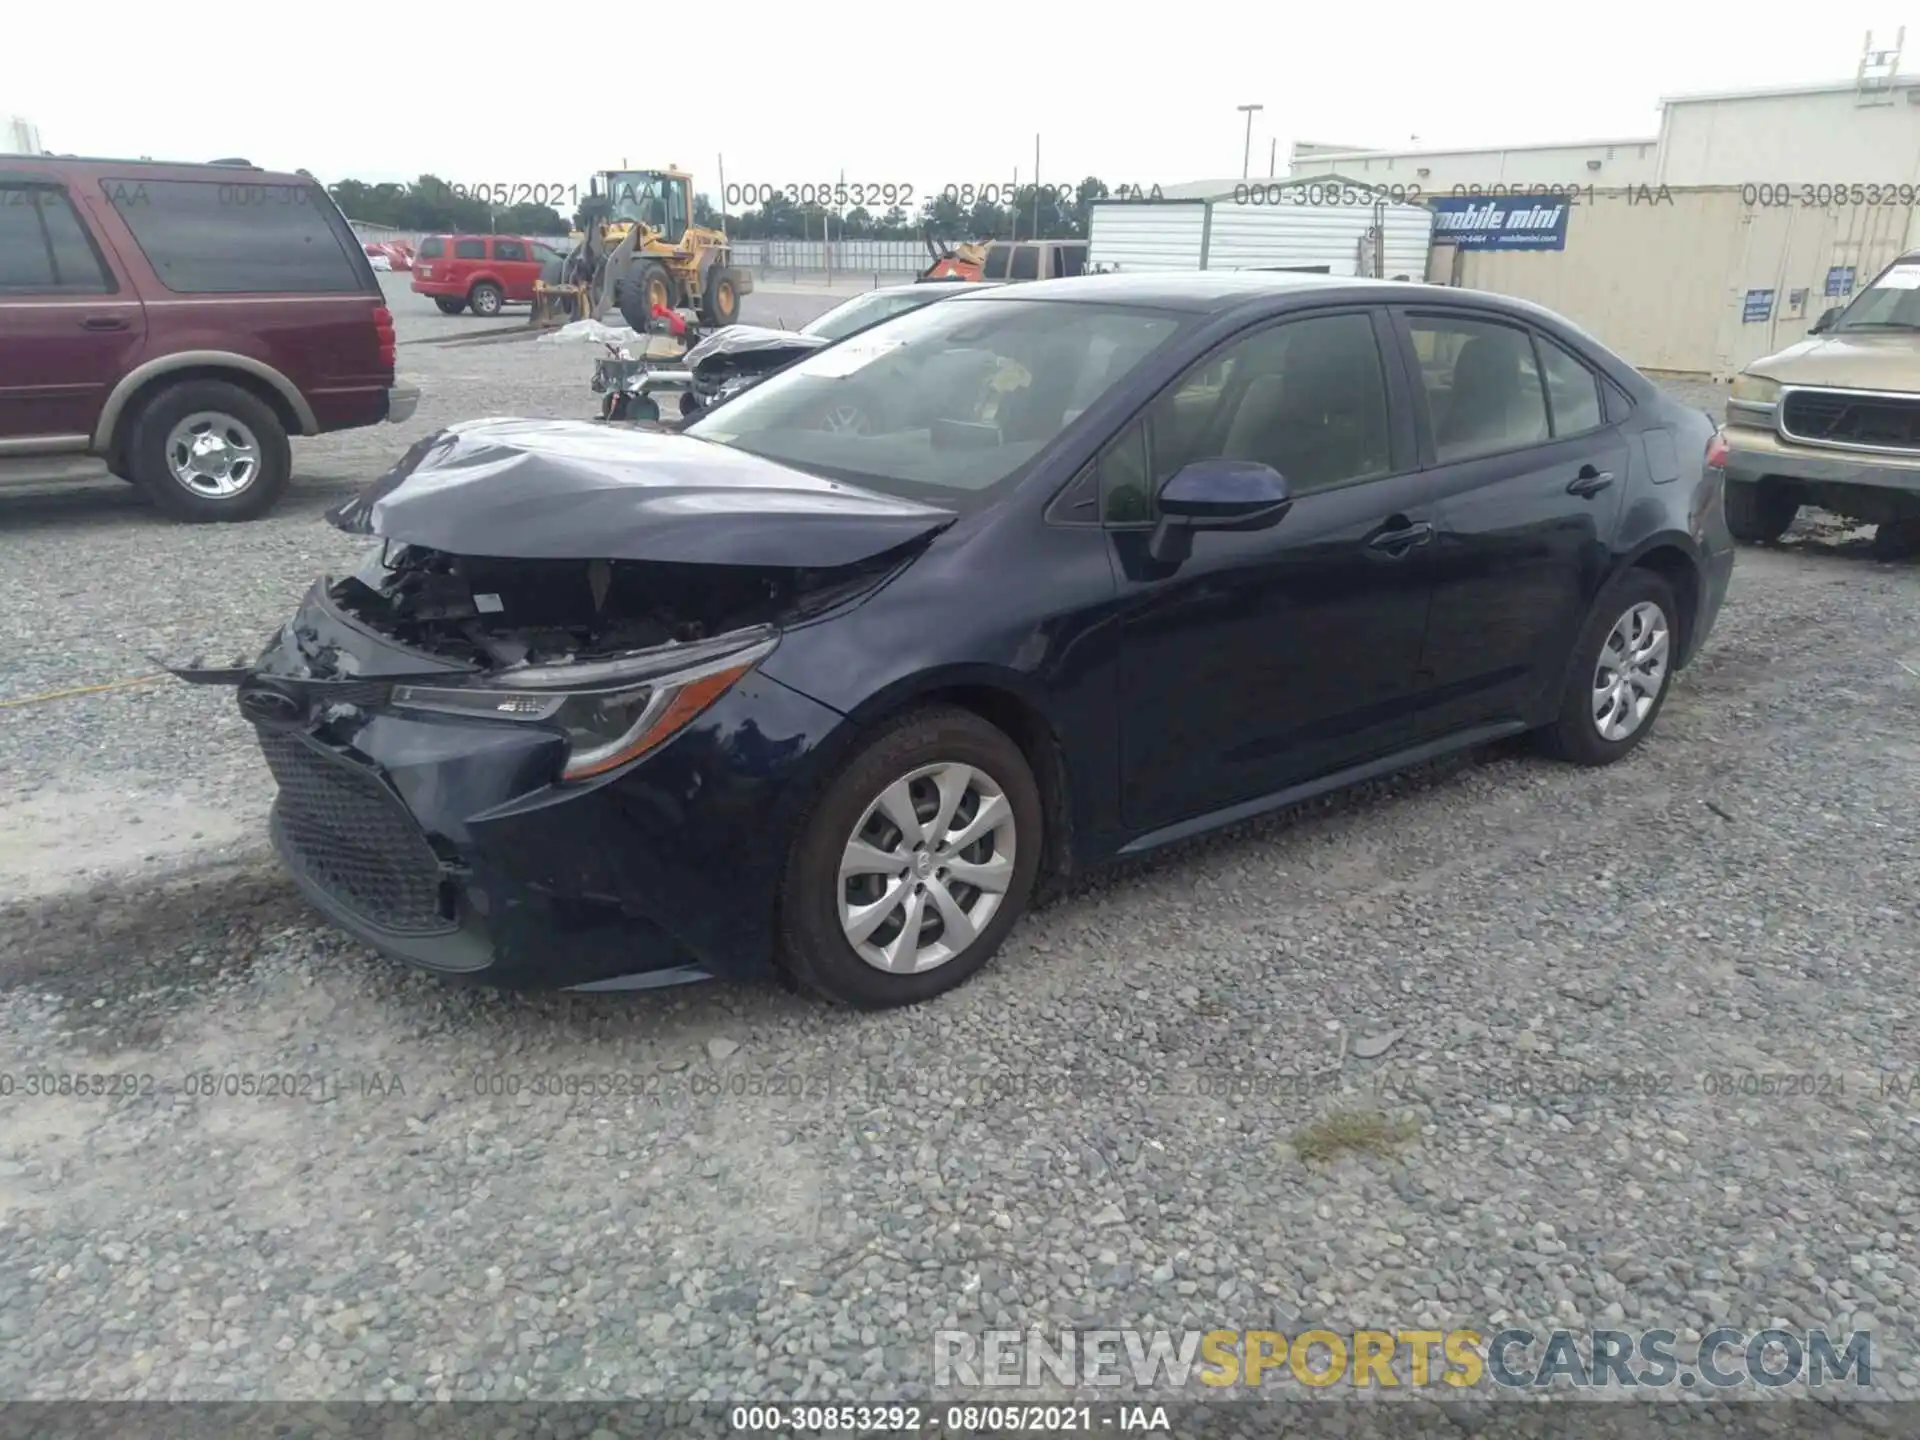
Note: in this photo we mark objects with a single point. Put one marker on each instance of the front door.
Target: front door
(518, 268)
(1529, 475)
(69, 326)
(1270, 657)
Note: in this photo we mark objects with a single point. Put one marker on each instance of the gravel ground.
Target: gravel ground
(1115, 1124)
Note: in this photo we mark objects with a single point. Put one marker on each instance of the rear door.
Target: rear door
(1529, 468)
(517, 266)
(265, 269)
(70, 323)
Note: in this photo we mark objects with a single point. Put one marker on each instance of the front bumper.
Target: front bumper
(1755, 454)
(445, 843)
(402, 401)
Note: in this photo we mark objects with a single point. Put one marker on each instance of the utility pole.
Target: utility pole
(1246, 155)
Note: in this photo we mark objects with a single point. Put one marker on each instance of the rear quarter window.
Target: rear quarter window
(433, 247)
(998, 257)
(1026, 263)
(209, 237)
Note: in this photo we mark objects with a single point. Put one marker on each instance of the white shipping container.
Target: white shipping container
(1223, 233)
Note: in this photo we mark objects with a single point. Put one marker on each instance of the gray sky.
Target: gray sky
(886, 93)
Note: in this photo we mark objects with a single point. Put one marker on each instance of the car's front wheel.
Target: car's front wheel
(1758, 512)
(1621, 671)
(916, 861)
(486, 299)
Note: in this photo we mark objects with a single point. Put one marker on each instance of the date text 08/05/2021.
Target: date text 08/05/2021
(823, 193)
(954, 1420)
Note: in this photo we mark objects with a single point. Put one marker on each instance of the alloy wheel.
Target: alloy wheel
(1631, 671)
(213, 455)
(926, 868)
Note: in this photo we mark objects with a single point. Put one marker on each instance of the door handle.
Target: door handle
(1396, 543)
(103, 322)
(1589, 482)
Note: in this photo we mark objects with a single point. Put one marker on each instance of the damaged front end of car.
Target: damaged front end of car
(531, 768)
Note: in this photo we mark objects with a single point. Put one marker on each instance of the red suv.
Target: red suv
(174, 324)
(484, 271)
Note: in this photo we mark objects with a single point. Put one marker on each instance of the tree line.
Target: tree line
(430, 204)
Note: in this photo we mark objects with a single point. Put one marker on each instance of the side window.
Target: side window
(204, 237)
(995, 266)
(44, 250)
(433, 247)
(509, 250)
(1073, 259)
(1573, 395)
(1483, 391)
(1026, 263)
(1307, 397)
(1126, 498)
(469, 249)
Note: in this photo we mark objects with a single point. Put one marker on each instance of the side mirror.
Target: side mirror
(1216, 495)
(1825, 322)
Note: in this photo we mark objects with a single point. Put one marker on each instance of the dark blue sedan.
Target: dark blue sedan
(1008, 586)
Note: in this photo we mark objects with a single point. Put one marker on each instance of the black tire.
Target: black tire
(649, 283)
(153, 473)
(1759, 513)
(722, 304)
(1896, 539)
(487, 299)
(449, 305)
(814, 947)
(1575, 735)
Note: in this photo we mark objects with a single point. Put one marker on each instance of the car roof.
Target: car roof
(1212, 291)
(233, 172)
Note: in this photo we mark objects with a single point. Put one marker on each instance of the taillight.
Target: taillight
(383, 330)
(1717, 452)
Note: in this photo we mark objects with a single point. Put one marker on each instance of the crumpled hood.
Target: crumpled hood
(751, 340)
(1868, 360)
(574, 490)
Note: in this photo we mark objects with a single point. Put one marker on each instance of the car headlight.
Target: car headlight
(1757, 389)
(612, 712)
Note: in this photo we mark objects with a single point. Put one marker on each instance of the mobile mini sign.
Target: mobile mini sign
(1506, 222)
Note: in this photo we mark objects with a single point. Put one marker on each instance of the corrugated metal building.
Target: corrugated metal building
(1776, 205)
(1262, 225)
(1702, 281)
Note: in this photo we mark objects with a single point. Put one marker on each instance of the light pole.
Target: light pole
(1246, 155)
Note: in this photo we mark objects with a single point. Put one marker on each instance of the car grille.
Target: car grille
(349, 835)
(1835, 417)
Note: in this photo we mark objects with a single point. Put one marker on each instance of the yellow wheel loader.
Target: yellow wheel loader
(639, 250)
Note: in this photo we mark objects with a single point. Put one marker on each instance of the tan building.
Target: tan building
(1716, 241)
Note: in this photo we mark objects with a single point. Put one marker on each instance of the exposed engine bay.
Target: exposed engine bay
(499, 614)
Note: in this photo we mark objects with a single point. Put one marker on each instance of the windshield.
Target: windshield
(645, 196)
(1891, 303)
(864, 311)
(955, 397)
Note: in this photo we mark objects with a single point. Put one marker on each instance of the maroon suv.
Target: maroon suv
(174, 324)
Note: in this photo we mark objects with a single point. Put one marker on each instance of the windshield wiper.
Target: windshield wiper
(1877, 325)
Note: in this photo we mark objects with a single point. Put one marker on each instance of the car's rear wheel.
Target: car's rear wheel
(208, 450)
(1621, 671)
(916, 861)
(450, 304)
(486, 299)
(1758, 511)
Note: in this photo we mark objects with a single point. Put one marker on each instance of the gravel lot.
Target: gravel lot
(1105, 1129)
